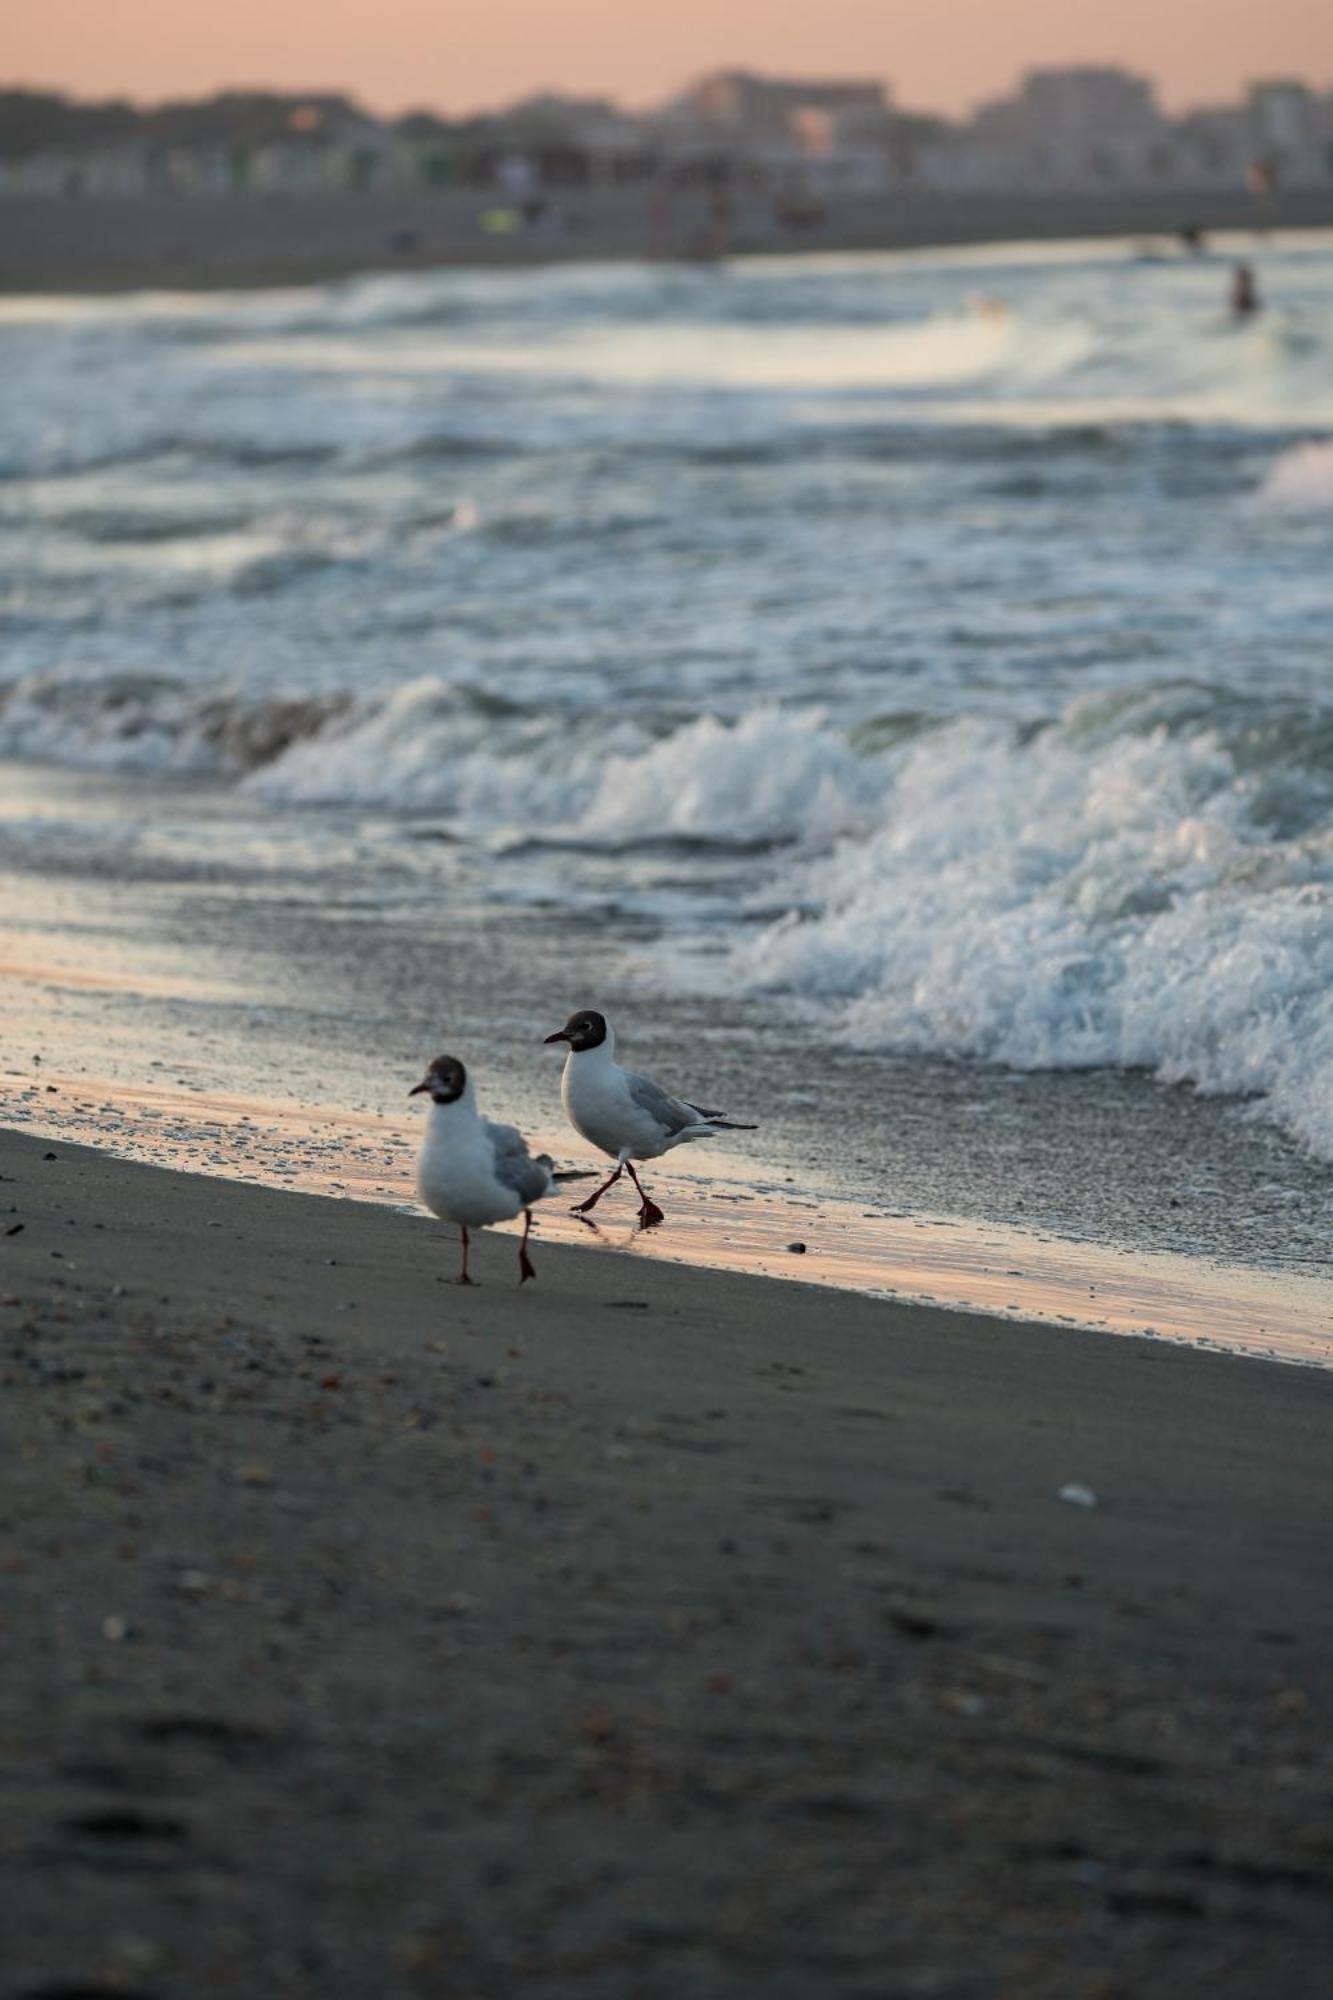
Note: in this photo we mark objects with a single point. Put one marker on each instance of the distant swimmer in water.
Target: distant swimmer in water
(1244, 293)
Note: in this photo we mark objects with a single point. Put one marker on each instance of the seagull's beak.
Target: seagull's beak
(417, 1089)
(560, 1035)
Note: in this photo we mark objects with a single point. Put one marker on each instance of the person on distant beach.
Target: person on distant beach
(1245, 298)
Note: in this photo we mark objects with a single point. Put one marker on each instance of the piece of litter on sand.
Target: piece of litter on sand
(1078, 1495)
(797, 1249)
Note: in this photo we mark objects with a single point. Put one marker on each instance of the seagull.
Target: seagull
(623, 1114)
(470, 1171)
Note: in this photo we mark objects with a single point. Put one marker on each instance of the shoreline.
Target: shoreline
(726, 1215)
(646, 1627)
(76, 246)
(137, 1036)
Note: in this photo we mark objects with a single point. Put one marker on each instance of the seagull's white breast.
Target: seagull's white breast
(456, 1170)
(597, 1102)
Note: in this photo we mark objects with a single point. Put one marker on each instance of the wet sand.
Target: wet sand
(50, 244)
(650, 1631)
(732, 1213)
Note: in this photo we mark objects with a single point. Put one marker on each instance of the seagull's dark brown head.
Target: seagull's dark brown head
(585, 1030)
(444, 1082)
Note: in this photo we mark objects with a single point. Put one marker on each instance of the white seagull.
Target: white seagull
(470, 1171)
(623, 1114)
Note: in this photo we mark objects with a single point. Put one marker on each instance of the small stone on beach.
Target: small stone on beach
(1078, 1495)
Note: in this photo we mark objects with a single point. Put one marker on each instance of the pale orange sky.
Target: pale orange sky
(945, 55)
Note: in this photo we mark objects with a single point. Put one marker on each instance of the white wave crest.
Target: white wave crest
(1300, 477)
(772, 775)
(1066, 903)
(432, 745)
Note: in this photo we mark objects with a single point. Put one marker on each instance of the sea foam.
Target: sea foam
(1144, 883)
(773, 775)
(1075, 900)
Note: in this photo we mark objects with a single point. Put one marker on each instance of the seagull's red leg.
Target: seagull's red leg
(525, 1270)
(649, 1212)
(463, 1278)
(582, 1207)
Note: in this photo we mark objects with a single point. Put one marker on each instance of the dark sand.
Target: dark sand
(646, 1633)
(53, 244)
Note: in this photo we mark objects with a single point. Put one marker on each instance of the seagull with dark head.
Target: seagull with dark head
(623, 1114)
(470, 1171)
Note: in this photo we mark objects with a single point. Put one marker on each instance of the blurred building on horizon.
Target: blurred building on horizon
(1087, 128)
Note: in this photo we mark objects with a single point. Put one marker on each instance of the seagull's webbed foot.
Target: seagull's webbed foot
(649, 1213)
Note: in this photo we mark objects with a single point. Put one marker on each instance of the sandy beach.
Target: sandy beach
(166, 242)
(646, 1632)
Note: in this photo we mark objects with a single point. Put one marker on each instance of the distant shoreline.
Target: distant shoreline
(74, 245)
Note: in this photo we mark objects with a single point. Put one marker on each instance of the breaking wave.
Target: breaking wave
(771, 776)
(1145, 883)
(463, 751)
(1083, 898)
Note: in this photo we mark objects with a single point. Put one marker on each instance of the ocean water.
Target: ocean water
(903, 684)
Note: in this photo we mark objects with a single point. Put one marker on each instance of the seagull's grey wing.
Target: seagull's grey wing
(515, 1166)
(506, 1138)
(671, 1113)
